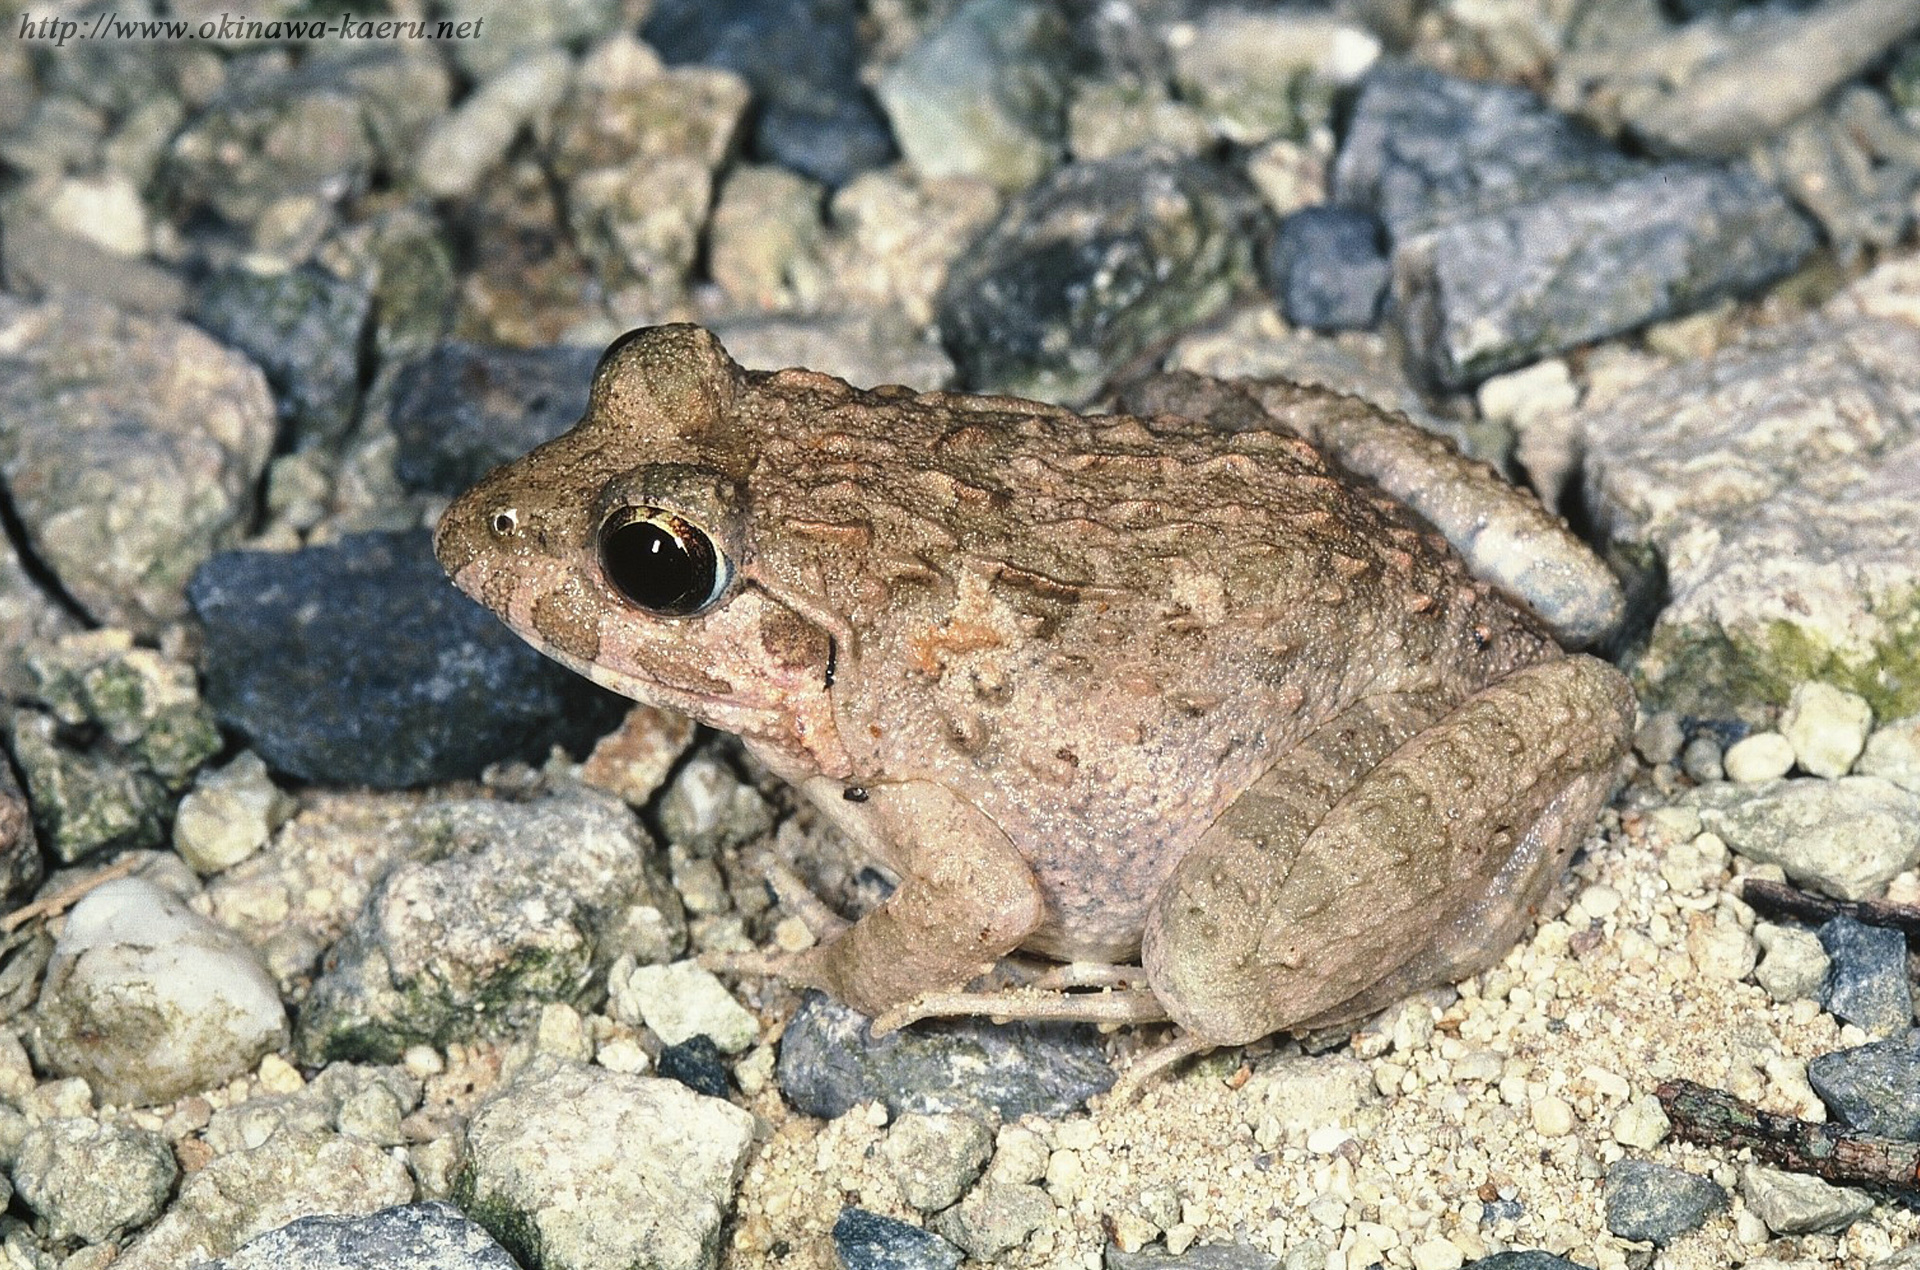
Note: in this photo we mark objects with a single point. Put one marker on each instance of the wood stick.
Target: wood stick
(64, 899)
(1834, 1153)
(1777, 899)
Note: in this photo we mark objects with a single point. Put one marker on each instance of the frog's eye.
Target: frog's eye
(662, 562)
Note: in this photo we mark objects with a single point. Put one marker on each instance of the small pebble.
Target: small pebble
(1827, 727)
(1893, 753)
(1656, 1203)
(1798, 1204)
(695, 1063)
(1552, 1117)
(682, 1000)
(1873, 1087)
(936, 1157)
(1867, 982)
(868, 1241)
(1701, 760)
(1642, 1123)
(1795, 965)
(1759, 756)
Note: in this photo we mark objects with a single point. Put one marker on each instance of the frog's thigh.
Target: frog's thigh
(1424, 869)
(966, 898)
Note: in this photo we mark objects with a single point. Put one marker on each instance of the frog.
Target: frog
(1178, 700)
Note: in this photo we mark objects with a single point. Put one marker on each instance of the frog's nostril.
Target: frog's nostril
(504, 521)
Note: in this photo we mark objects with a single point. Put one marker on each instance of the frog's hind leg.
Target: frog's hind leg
(1425, 869)
(1116, 1005)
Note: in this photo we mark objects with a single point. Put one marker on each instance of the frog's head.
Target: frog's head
(620, 550)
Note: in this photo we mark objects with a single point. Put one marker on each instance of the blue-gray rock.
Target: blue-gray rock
(802, 58)
(1657, 1203)
(1328, 269)
(1491, 292)
(358, 663)
(829, 1061)
(868, 1241)
(1867, 981)
(1525, 1260)
(433, 1236)
(1091, 266)
(1874, 1087)
(464, 409)
(1426, 149)
(305, 329)
(697, 1064)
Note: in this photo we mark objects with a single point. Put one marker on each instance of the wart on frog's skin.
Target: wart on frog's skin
(1174, 699)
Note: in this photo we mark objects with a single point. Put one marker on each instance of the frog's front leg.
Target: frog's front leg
(1424, 870)
(966, 899)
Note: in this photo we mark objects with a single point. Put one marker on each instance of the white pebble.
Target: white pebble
(1827, 727)
(1552, 1117)
(1762, 756)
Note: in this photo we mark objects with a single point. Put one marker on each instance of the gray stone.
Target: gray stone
(1524, 1260)
(1481, 295)
(1771, 490)
(293, 1174)
(1328, 269)
(1092, 265)
(432, 1236)
(1867, 978)
(21, 867)
(148, 1000)
(523, 30)
(319, 128)
(146, 703)
(366, 1103)
(1847, 838)
(304, 328)
(1797, 1204)
(1893, 753)
(636, 147)
(868, 1241)
(829, 1061)
(28, 614)
(1425, 149)
(994, 1217)
(93, 1182)
(983, 94)
(1746, 80)
(1795, 965)
(936, 1158)
(1873, 1087)
(498, 909)
(1657, 1203)
(579, 1168)
(85, 803)
(132, 449)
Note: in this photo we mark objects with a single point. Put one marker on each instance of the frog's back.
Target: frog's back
(1101, 629)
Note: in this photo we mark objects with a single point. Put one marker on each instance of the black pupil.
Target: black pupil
(662, 571)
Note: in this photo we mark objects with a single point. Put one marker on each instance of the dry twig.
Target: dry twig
(1777, 899)
(60, 901)
(1834, 1153)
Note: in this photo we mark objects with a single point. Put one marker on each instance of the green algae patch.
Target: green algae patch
(1713, 671)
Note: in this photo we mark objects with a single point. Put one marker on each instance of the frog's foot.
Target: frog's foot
(1151, 1064)
(1126, 1005)
(798, 898)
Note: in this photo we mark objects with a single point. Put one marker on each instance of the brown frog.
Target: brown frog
(1170, 698)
